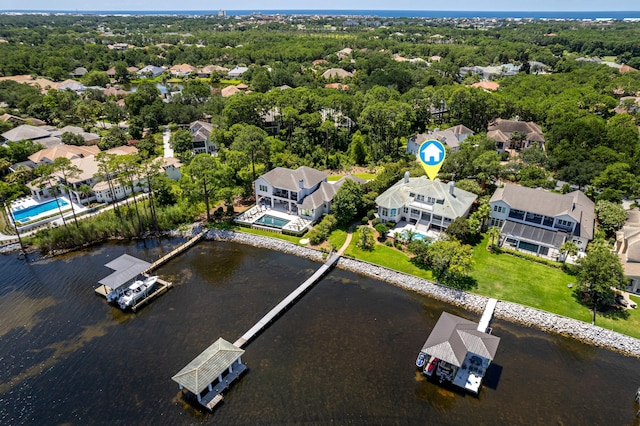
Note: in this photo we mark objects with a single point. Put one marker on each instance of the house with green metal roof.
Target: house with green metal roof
(428, 204)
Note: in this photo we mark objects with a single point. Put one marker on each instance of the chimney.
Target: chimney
(452, 186)
(301, 183)
(406, 177)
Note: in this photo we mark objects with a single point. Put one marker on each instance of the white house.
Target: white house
(539, 221)
(304, 192)
(201, 134)
(429, 204)
(237, 72)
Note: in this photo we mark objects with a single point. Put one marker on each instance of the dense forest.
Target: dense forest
(405, 80)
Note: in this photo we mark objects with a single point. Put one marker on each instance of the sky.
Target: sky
(263, 5)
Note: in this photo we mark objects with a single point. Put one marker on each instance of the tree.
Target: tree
(106, 170)
(494, 234)
(365, 238)
(202, 177)
(181, 142)
(50, 181)
(598, 274)
(611, 216)
(96, 78)
(67, 171)
(347, 202)
(459, 229)
(568, 248)
(115, 137)
(69, 138)
(449, 259)
(357, 149)
(252, 140)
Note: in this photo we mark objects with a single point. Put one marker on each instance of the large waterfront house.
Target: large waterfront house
(89, 175)
(515, 134)
(538, 221)
(451, 137)
(628, 249)
(429, 204)
(304, 192)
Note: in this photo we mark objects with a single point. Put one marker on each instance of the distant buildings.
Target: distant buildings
(451, 137)
(515, 134)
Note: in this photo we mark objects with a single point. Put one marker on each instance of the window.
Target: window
(436, 217)
(420, 198)
(431, 200)
(499, 209)
(393, 212)
(496, 222)
(564, 223)
(405, 209)
(263, 188)
(412, 194)
(384, 211)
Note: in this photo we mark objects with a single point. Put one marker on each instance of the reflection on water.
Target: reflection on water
(344, 354)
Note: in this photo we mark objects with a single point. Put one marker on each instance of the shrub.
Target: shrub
(321, 231)
(371, 214)
(364, 220)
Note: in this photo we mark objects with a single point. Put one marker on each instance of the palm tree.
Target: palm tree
(568, 248)
(67, 171)
(50, 181)
(105, 171)
(85, 191)
(494, 234)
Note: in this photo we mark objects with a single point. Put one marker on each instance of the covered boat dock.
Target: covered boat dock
(211, 372)
(125, 268)
(463, 352)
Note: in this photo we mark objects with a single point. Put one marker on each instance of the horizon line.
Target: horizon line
(329, 9)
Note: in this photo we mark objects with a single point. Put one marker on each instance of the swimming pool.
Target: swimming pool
(28, 213)
(416, 236)
(272, 221)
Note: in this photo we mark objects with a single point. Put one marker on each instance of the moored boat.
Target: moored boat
(422, 357)
(136, 291)
(431, 366)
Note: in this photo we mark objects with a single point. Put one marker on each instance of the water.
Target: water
(344, 354)
(272, 221)
(29, 213)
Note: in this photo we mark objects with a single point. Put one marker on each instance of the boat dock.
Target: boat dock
(167, 257)
(127, 267)
(264, 322)
(160, 288)
(483, 325)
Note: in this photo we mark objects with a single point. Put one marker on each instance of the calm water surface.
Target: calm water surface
(343, 355)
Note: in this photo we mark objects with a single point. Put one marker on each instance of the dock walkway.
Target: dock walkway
(487, 315)
(332, 259)
(164, 259)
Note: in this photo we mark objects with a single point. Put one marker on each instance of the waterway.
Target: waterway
(344, 354)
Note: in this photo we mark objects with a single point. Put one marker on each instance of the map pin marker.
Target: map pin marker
(431, 155)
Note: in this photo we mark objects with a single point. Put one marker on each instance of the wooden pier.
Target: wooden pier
(264, 322)
(483, 326)
(167, 257)
(160, 287)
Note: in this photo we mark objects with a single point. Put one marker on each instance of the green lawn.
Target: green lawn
(290, 238)
(512, 279)
(337, 238)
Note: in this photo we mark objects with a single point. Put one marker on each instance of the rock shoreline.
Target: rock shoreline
(509, 311)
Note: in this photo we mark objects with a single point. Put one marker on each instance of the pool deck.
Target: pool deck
(405, 226)
(296, 223)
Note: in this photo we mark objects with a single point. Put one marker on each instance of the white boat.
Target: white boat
(136, 291)
(422, 357)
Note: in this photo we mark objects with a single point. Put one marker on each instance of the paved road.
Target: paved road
(166, 135)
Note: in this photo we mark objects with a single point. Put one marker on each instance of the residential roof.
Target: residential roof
(25, 132)
(238, 71)
(452, 337)
(288, 179)
(67, 151)
(207, 366)
(453, 205)
(336, 72)
(229, 91)
(461, 129)
(529, 128)
(212, 68)
(574, 204)
(487, 85)
(200, 130)
(182, 68)
(533, 233)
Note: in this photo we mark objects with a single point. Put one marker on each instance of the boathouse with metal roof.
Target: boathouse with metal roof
(211, 372)
(125, 268)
